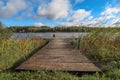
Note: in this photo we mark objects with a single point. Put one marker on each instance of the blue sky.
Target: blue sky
(60, 12)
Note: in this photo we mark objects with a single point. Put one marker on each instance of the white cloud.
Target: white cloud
(67, 24)
(77, 18)
(89, 18)
(80, 15)
(39, 24)
(96, 24)
(108, 16)
(116, 23)
(109, 11)
(27, 13)
(11, 8)
(56, 9)
(93, 23)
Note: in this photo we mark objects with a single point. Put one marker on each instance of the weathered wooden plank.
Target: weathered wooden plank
(58, 55)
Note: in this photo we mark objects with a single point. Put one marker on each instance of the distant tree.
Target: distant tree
(4, 32)
(0, 25)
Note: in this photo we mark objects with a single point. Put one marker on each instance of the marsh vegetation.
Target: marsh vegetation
(101, 46)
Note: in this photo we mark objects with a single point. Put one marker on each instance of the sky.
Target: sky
(93, 13)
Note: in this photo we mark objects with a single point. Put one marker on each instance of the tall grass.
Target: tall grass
(102, 44)
(103, 47)
(13, 49)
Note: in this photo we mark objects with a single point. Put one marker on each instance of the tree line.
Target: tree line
(33, 29)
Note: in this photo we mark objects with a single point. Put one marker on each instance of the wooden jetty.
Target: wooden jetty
(59, 54)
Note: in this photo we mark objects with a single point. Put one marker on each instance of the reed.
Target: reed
(13, 49)
(102, 46)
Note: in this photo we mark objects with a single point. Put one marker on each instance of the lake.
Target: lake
(48, 34)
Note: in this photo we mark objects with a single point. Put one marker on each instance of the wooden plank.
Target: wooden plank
(58, 55)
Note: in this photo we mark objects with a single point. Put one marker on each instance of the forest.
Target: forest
(33, 29)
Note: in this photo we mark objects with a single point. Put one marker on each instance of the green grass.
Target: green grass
(102, 45)
(12, 50)
(103, 48)
(46, 75)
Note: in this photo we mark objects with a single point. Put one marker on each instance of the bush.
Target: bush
(4, 32)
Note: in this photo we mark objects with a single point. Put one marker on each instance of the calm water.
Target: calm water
(47, 35)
